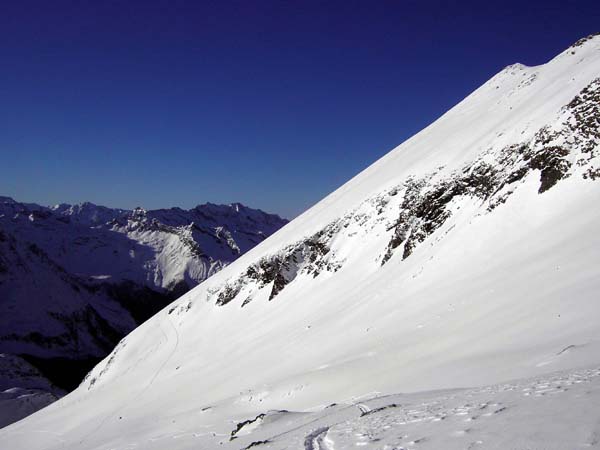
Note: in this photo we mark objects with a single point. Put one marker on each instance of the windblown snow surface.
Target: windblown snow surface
(446, 297)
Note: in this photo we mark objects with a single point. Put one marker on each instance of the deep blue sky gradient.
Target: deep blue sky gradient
(270, 103)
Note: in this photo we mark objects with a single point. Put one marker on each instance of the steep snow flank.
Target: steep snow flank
(467, 256)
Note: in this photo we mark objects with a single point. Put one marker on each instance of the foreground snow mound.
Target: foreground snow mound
(465, 257)
(556, 411)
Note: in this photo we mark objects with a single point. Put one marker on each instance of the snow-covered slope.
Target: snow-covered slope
(75, 279)
(467, 256)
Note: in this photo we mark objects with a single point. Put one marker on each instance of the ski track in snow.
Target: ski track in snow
(160, 369)
(129, 402)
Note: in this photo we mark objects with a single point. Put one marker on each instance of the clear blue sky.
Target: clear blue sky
(270, 103)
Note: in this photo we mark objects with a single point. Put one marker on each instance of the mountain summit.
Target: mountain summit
(467, 256)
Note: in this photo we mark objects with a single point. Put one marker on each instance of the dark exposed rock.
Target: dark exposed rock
(592, 174)
(308, 256)
(228, 293)
(376, 410)
(582, 41)
(585, 123)
(552, 163)
(241, 425)
(425, 205)
(256, 444)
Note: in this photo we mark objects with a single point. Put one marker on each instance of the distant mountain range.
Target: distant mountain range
(75, 279)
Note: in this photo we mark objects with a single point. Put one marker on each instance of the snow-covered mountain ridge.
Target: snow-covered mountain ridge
(204, 239)
(467, 256)
(567, 147)
(74, 279)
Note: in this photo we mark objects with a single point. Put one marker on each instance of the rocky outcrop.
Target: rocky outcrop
(553, 154)
(310, 256)
(492, 178)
